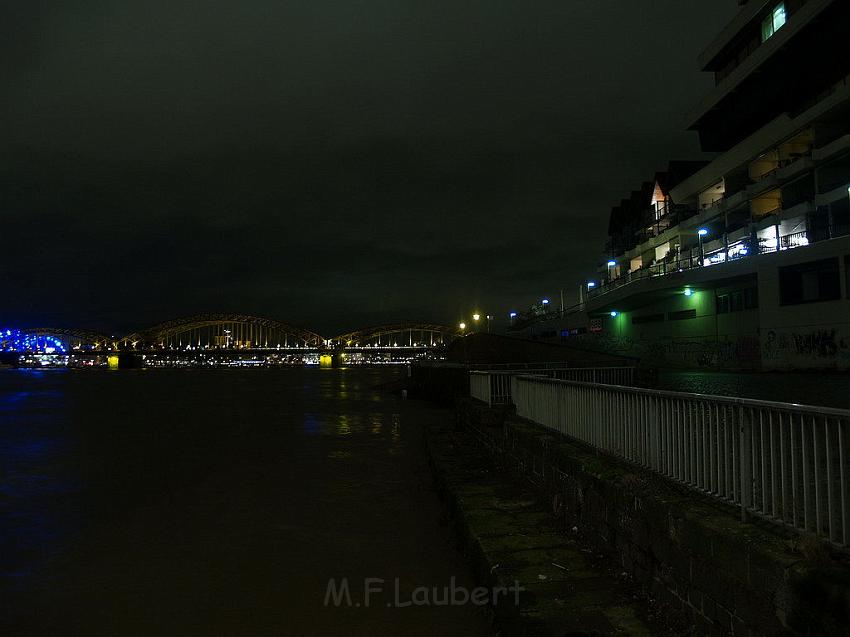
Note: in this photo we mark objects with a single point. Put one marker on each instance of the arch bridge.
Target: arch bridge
(222, 331)
(231, 332)
(396, 336)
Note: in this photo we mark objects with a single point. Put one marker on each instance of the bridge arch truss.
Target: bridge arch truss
(211, 331)
(39, 339)
(396, 335)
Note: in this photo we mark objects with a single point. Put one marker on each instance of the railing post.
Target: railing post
(745, 471)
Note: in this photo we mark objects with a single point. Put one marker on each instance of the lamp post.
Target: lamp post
(611, 265)
(701, 233)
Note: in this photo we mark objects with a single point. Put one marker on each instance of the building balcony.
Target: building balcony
(735, 247)
(834, 148)
(836, 194)
(767, 182)
(794, 169)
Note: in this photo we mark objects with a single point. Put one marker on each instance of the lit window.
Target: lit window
(773, 22)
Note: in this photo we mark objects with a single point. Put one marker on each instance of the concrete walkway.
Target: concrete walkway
(511, 536)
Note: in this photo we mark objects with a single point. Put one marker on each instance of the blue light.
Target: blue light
(611, 264)
(614, 314)
(18, 341)
(702, 232)
(591, 284)
(688, 291)
(513, 314)
(545, 301)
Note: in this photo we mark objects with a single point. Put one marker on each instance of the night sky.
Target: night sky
(332, 164)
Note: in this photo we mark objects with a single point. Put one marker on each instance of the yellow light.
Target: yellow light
(463, 326)
(112, 361)
(475, 317)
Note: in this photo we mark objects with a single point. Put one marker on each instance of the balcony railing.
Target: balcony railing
(746, 250)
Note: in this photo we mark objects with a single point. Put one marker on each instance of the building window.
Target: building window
(683, 315)
(751, 298)
(773, 22)
(651, 318)
(809, 282)
(738, 301)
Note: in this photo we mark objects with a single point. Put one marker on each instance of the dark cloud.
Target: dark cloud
(329, 163)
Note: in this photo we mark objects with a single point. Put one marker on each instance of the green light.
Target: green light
(688, 291)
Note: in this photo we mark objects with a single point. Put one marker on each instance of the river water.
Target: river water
(170, 502)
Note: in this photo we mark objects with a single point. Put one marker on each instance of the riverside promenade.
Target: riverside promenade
(726, 516)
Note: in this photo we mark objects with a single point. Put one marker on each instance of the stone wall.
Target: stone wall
(688, 551)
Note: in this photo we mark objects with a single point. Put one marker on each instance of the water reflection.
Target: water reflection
(215, 502)
(343, 428)
(34, 477)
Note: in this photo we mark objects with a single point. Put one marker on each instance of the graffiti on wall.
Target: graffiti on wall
(739, 352)
(792, 348)
(814, 348)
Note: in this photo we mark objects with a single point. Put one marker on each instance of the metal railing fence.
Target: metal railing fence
(494, 386)
(784, 462)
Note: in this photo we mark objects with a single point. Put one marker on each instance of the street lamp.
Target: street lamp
(462, 326)
(475, 317)
(701, 233)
